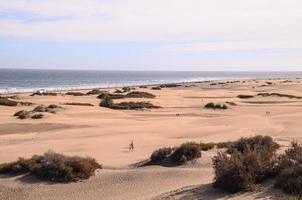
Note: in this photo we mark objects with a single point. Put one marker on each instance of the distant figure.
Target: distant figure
(131, 146)
(268, 113)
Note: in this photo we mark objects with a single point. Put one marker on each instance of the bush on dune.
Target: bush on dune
(133, 105)
(93, 92)
(156, 88)
(54, 167)
(161, 154)
(75, 93)
(8, 102)
(106, 102)
(112, 96)
(22, 114)
(246, 162)
(290, 170)
(186, 152)
(215, 106)
(244, 96)
(138, 94)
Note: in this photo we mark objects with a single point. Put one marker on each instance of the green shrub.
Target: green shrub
(53, 167)
(185, 152)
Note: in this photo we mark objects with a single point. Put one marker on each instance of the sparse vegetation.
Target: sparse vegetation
(5, 101)
(138, 94)
(112, 96)
(161, 154)
(94, 92)
(75, 93)
(44, 93)
(245, 96)
(133, 105)
(169, 85)
(156, 88)
(78, 104)
(22, 114)
(51, 108)
(53, 167)
(279, 95)
(106, 102)
(37, 116)
(215, 106)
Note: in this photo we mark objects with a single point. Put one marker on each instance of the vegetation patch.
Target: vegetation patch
(75, 93)
(112, 96)
(53, 167)
(245, 96)
(156, 88)
(138, 94)
(94, 92)
(22, 114)
(78, 104)
(39, 93)
(51, 108)
(246, 162)
(133, 105)
(5, 101)
(279, 95)
(37, 116)
(169, 85)
(215, 106)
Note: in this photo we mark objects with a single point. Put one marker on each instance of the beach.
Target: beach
(274, 109)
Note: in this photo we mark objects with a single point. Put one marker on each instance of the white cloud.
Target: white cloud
(155, 20)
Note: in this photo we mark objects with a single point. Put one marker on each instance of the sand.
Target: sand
(105, 135)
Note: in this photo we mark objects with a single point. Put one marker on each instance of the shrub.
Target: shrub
(42, 108)
(243, 96)
(78, 104)
(290, 170)
(118, 91)
(53, 167)
(22, 114)
(93, 92)
(106, 102)
(156, 88)
(75, 93)
(112, 96)
(126, 89)
(7, 102)
(133, 105)
(137, 94)
(37, 116)
(263, 144)
(247, 161)
(185, 152)
(221, 145)
(215, 106)
(169, 85)
(206, 146)
(161, 154)
(44, 93)
(143, 86)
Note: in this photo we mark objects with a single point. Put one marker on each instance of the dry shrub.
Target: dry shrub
(126, 89)
(221, 145)
(247, 161)
(37, 116)
(75, 93)
(206, 146)
(185, 152)
(54, 167)
(133, 105)
(44, 93)
(106, 102)
(7, 102)
(22, 114)
(51, 108)
(138, 94)
(244, 96)
(290, 170)
(156, 88)
(161, 154)
(118, 91)
(78, 104)
(215, 106)
(93, 92)
(169, 85)
(112, 96)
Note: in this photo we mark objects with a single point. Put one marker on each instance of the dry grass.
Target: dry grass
(75, 93)
(54, 167)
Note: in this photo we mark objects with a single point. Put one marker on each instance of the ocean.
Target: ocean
(28, 80)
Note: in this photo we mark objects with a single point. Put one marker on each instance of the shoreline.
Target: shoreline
(85, 88)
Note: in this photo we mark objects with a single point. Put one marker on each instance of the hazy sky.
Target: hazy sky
(151, 34)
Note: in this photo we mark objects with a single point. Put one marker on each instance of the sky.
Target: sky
(202, 35)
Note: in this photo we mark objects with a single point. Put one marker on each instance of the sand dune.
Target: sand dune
(105, 135)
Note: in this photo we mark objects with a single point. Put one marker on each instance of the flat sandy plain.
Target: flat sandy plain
(105, 135)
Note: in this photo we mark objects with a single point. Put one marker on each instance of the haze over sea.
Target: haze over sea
(27, 80)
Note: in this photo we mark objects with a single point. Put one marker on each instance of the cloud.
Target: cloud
(155, 20)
